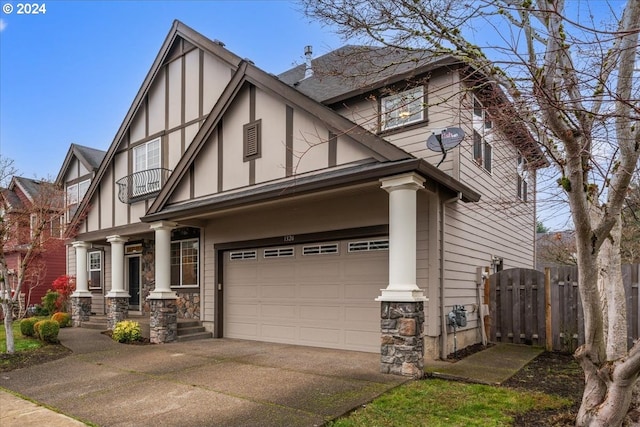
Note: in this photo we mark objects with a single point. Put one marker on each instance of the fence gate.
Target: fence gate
(517, 307)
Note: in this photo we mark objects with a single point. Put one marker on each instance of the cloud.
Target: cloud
(3, 25)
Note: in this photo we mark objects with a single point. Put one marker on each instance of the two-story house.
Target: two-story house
(38, 255)
(304, 210)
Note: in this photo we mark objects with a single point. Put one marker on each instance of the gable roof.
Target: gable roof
(89, 157)
(178, 29)
(380, 149)
(369, 68)
(30, 188)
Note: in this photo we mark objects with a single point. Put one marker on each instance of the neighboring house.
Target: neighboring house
(20, 205)
(285, 210)
(556, 248)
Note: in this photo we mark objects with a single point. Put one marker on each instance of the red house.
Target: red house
(23, 206)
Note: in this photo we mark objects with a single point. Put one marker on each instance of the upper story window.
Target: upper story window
(75, 193)
(146, 157)
(523, 178)
(57, 226)
(33, 225)
(402, 108)
(482, 125)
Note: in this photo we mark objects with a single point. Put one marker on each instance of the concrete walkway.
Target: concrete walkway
(214, 382)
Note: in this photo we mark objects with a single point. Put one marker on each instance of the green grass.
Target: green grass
(20, 342)
(435, 402)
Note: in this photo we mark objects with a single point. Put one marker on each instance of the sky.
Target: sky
(70, 73)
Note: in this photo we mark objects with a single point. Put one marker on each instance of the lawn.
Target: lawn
(21, 343)
(435, 402)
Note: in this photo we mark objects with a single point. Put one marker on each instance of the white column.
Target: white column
(163, 260)
(82, 282)
(117, 267)
(402, 191)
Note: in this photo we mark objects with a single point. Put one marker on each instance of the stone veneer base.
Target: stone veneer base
(80, 310)
(163, 321)
(402, 344)
(117, 310)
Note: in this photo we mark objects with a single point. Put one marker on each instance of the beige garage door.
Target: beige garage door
(321, 295)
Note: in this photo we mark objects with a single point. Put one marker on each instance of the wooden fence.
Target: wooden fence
(531, 307)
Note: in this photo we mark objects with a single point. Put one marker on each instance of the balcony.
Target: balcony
(142, 185)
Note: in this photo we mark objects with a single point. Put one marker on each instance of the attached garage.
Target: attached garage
(318, 294)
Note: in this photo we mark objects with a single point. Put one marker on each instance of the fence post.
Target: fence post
(547, 310)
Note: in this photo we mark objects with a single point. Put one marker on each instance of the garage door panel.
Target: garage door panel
(323, 300)
(278, 332)
(310, 312)
(278, 291)
(326, 291)
(278, 311)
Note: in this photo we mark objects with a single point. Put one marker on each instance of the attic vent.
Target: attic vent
(320, 249)
(369, 245)
(252, 140)
(240, 255)
(278, 252)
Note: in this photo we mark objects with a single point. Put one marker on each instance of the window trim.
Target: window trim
(70, 208)
(482, 127)
(384, 123)
(522, 187)
(180, 285)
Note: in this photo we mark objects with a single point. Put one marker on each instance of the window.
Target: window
(278, 253)
(252, 136)
(402, 108)
(482, 148)
(95, 270)
(33, 225)
(184, 263)
(146, 157)
(75, 193)
(56, 226)
(240, 255)
(521, 168)
(320, 249)
(369, 245)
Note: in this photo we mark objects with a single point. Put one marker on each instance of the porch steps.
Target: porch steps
(188, 330)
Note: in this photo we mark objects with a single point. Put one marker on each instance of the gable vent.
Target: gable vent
(240, 255)
(252, 136)
(278, 253)
(320, 249)
(369, 245)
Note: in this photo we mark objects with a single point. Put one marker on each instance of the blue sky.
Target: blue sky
(70, 75)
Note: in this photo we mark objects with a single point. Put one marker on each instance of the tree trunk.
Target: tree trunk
(7, 309)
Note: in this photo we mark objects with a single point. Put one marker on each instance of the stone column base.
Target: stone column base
(163, 323)
(80, 310)
(402, 344)
(117, 310)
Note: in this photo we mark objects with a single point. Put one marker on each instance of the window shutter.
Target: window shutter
(252, 140)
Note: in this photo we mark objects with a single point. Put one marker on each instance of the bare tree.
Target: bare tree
(29, 226)
(570, 71)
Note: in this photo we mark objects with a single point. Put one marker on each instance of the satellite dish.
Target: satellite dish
(445, 141)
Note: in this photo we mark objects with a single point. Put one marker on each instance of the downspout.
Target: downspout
(443, 314)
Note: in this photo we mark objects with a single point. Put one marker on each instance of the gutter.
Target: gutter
(443, 314)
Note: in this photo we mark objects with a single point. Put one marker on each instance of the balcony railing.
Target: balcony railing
(142, 185)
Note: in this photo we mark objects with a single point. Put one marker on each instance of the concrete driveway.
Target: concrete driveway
(214, 382)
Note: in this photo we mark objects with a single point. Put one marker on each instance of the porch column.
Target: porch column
(163, 323)
(402, 302)
(118, 297)
(81, 297)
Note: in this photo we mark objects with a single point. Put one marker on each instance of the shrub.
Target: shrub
(47, 330)
(127, 331)
(26, 327)
(64, 286)
(63, 319)
(49, 301)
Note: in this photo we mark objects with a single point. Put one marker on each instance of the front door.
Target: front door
(133, 281)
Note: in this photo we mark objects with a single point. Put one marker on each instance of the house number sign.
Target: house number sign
(289, 238)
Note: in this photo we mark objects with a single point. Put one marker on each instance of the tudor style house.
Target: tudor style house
(27, 205)
(300, 208)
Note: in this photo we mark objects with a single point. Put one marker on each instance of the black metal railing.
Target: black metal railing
(142, 185)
